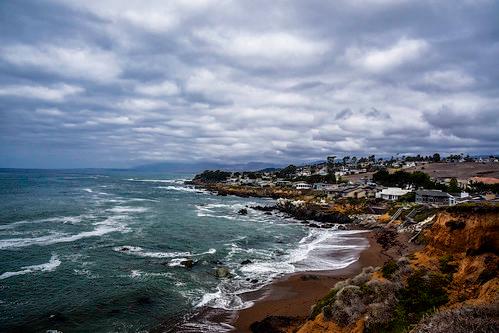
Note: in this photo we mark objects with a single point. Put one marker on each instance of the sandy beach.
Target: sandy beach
(295, 294)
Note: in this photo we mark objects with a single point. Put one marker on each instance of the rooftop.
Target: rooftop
(432, 193)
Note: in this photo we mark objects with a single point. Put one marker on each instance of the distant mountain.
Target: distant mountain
(201, 166)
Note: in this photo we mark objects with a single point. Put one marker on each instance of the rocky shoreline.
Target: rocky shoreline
(295, 204)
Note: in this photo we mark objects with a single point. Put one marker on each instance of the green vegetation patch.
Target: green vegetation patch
(424, 292)
(446, 264)
(389, 268)
(424, 214)
(326, 300)
(209, 176)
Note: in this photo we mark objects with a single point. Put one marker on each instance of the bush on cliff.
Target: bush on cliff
(390, 305)
(210, 176)
(479, 319)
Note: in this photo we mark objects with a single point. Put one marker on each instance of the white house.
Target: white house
(409, 165)
(303, 186)
(391, 193)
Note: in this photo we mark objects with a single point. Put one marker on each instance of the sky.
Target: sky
(122, 83)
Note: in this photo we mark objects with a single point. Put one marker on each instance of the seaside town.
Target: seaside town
(432, 262)
(426, 180)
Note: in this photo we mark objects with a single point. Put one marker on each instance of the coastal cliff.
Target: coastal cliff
(450, 285)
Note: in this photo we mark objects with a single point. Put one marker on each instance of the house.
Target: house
(320, 186)
(391, 193)
(303, 186)
(283, 183)
(435, 197)
(409, 165)
(264, 183)
(232, 181)
(248, 181)
(356, 193)
(304, 172)
(322, 171)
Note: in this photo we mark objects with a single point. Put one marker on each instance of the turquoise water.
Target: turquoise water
(101, 251)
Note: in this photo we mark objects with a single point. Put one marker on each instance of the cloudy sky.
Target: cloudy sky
(119, 83)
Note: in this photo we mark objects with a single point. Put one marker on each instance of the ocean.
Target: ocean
(102, 251)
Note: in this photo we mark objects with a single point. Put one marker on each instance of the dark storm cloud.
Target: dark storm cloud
(112, 83)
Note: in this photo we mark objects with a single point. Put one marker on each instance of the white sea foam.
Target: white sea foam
(222, 300)
(138, 251)
(143, 199)
(46, 267)
(314, 252)
(177, 262)
(320, 249)
(89, 190)
(206, 326)
(127, 209)
(182, 189)
(57, 219)
(168, 181)
(106, 226)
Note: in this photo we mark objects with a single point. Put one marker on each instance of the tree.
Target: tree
(287, 172)
(330, 164)
(454, 186)
(436, 157)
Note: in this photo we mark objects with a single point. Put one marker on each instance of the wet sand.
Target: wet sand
(295, 294)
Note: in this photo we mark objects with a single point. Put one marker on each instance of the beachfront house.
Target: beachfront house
(435, 197)
(303, 186)
(283, 183)
(320, 186)
(391, 193)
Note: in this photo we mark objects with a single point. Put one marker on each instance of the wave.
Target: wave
(168, 181)
(138, 251)
(46, 267)
(104, 227)
(220, 300)
(327, 250)
(58, 219)
(89, 190)
(206, 326)
(143, 199)
(183, 189)
(127, 209)
(319, 250)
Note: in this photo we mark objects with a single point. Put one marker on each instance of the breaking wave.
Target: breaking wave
(46, 267)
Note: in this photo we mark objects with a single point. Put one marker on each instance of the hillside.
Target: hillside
(451, 285)
(458, 170)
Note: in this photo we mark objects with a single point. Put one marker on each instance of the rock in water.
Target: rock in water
(243, 211)
(246, 262)
(222, 273)
(187, 263)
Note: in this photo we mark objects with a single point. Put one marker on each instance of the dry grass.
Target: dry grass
(462, 320)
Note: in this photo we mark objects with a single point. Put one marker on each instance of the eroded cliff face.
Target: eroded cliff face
(465, 245)
(469, 233)
(460, 255)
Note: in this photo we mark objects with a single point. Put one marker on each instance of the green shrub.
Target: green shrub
(389, 268)
(446, 265)
(424, 292)
(326, 300)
